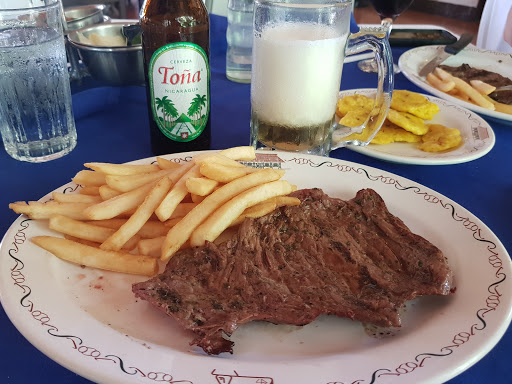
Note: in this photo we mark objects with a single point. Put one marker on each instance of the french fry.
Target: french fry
(114, 223)
(255, 211)
(472, 93)
(265, 207)
(176, 194)
(258, 210)
(75, 198)
(153, 228)
(482, 87)
(151, 247)
(201, 186)
(166, 164)
(196, 198)
(240, 153)
(150, 229)
(89, 178)
(90, 190)
(500, 107)
(113, 207)
(503, 108)
(122, 169)
(227, 213)
(180, 233)
(41, 211)
(227, 156)
(106, 192)
(223, 173)
(459, 95)
(182, 209)
(442, 74)
(172, 222)
(86, 231)
(82, 241)
(177, 173)
(442, 85)
(126, 183)
(82, 254)
(281, 201)
(141, 216)
(217, 158)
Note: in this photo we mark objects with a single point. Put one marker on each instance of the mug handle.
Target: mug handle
(376, 40)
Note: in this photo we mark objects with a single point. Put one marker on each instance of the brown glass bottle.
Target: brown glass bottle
(176, 46)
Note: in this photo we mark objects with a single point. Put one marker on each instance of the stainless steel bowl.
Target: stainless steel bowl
(116, 65)
(83, 16)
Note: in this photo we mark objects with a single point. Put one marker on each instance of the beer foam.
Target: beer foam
(297, 74)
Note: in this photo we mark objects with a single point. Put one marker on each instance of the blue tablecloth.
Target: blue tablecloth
(112, 127)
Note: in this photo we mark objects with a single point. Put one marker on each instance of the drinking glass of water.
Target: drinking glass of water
(239, 38)
(36, 118)
(298, 52)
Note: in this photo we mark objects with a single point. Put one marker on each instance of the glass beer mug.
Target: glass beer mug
(298, 52)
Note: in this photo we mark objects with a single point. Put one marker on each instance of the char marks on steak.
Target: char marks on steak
(351, 259)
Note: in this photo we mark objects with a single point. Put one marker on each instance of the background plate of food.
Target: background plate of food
(88, 319)
(493, 62)
(420, 129)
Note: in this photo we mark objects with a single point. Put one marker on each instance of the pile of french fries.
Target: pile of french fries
(476, 91)
(126, 216)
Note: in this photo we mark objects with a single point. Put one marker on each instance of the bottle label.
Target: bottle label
(179, 83)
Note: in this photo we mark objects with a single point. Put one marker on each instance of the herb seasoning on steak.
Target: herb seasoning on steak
(351, 259)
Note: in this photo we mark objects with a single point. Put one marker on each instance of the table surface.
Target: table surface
(112, 127)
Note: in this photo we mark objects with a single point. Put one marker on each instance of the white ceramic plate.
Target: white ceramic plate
(478, 137)
(89, 321)
(411, 61)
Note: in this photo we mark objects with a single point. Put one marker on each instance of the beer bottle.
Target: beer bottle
(176, 46)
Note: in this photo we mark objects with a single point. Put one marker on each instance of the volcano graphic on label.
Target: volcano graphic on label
(183, 127)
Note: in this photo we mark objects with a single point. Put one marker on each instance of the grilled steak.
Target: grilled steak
(327, 256)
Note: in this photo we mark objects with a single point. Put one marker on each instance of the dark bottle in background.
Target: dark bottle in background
(390, 8)
(176, 47)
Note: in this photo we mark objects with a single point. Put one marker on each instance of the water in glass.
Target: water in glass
(239, 36)
(36, 119)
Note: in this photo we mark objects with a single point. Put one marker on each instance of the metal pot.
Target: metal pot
(83, 16)
(113, 65)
